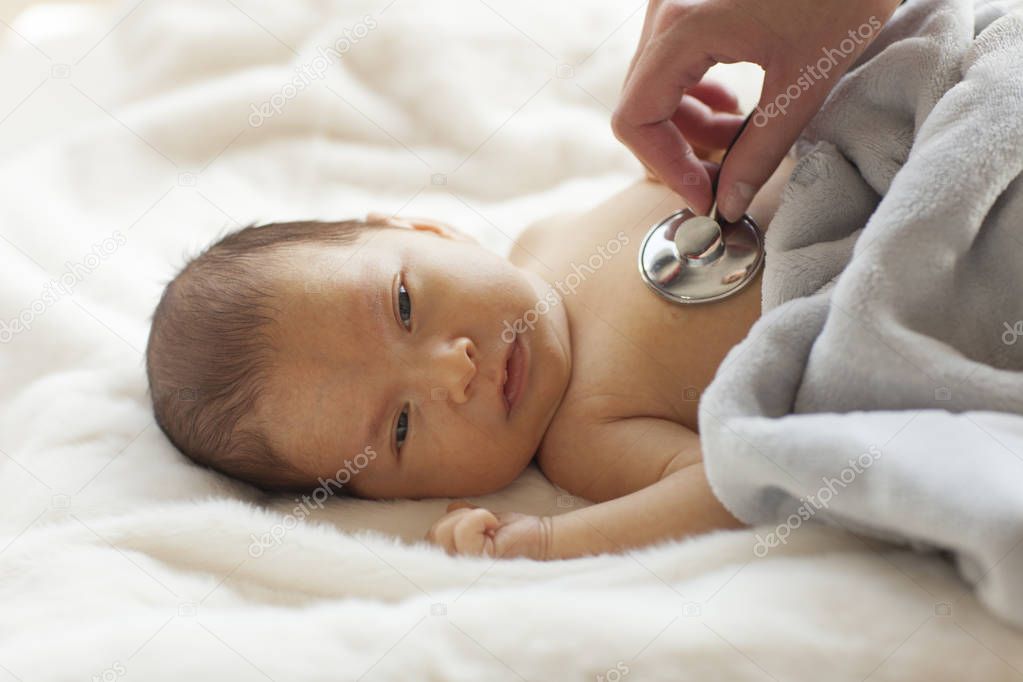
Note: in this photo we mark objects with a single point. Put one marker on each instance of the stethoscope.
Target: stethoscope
(689, 258)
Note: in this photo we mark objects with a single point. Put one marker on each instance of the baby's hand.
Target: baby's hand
(474, 531)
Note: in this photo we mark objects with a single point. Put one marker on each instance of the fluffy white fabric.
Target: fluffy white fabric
(128, 144)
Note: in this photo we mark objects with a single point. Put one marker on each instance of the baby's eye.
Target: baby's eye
(401, 430)
(404, 305)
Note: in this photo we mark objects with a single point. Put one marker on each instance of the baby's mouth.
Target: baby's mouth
(514, 374)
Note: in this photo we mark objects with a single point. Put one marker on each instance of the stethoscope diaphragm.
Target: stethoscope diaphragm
(688, 258)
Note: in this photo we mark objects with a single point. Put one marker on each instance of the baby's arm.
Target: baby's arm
(648, 471)
(650, 477)
(678, 505)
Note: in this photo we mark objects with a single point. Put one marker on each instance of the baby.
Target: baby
(286, 349)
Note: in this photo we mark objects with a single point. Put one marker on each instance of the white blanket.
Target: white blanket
(883, 389)
(118, 558)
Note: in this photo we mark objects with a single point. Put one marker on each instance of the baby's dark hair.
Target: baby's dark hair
(209, 354)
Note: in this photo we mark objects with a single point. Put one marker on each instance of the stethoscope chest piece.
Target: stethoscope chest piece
(688, 258)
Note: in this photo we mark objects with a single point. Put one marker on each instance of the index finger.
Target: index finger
(643, 119)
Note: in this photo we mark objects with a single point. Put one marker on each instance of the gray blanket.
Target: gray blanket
(882, 390)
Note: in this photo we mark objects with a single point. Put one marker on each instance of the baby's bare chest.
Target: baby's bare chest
(633, 352)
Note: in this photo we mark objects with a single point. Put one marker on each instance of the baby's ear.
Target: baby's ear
(445, 230)
(376, 218)
(439, 228)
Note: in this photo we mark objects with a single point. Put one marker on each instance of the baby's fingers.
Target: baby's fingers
(473, 533)
(465, 531)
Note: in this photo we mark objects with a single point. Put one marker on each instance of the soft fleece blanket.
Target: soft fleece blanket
(882, 390)
(129, 140)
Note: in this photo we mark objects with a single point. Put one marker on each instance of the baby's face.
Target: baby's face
(399, 344)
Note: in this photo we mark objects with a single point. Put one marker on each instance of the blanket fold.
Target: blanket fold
(882, 390)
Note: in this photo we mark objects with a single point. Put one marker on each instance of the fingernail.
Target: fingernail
(737, 201)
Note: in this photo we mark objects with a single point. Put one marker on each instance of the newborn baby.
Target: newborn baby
(397, 358)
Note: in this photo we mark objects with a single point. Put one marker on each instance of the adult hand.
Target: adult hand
(804, 47)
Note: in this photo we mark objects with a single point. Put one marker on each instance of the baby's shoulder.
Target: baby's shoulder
(600, 457)
(539, 239)
(568, 439)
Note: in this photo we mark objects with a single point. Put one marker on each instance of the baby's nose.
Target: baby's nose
(455, 370)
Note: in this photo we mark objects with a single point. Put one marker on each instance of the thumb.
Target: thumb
(784, 109)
